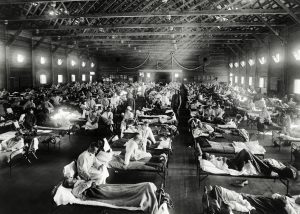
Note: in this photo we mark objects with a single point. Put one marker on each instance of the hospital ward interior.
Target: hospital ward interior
(149, 106)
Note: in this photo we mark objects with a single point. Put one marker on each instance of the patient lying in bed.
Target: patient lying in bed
(7, 147)
(245, 163)
(141, 195)
(222, 200)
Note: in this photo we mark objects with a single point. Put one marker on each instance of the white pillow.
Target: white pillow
(70, 170)
(63, 196)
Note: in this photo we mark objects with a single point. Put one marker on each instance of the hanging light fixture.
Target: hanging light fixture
(243, 63)
(297, 54)
(262, 60)
(59, 62)
(276, 58)
(251, 62)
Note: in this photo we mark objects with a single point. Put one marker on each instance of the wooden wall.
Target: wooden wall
(17, 76)
(279, 77)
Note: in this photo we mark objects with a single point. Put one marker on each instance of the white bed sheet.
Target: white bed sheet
(253, 146)
(208, 166)
(64, 196)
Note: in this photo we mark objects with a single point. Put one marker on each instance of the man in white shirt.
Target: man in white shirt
(89, 168)
(107, 114)
(128, 116)
(133, 151)
(146, 133)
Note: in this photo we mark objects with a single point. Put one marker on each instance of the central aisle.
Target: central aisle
(182, 182)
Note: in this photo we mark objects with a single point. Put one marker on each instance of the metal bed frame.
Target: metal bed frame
(200, 172)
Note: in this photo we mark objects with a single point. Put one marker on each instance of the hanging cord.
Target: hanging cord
(183, 67)
(148, 56)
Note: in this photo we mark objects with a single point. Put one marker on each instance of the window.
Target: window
(43, 79)
(251, 62)
(236, 79)
(59, 78)
(276, 58)
(262, 60)
(231, 79)
(297, 86)
(73, 78)
(242, 80)
(83, 77)
(250, 81)
(91, 78)
(148, 75)
(83, 64)
(261, 82)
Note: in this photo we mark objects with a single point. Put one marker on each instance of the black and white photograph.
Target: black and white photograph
(149, 106)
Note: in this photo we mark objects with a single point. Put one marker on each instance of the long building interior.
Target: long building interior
(149, 106)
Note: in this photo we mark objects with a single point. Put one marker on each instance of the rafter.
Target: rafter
(149, 25)
(292, 14)
(243, 12)
(162, 33)
(13, 38)
(2, 2)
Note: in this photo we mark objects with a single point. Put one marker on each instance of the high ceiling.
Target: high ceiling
(160, 27)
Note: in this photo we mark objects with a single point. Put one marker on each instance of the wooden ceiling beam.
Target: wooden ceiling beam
(163, 33)
(292, 14)
(242, 12)
(141, 26)
(3, 2)
(127, 41)
(159, 45)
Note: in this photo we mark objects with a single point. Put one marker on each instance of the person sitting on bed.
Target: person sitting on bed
(262, 166)
(92, 120)
(134, 149)
(128, 117)
(29, 120)
(29, 104)
(88, 166)
(146, 133)
(104, 153)
(141, 195)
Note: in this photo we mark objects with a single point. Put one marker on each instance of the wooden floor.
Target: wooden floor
(29, 188)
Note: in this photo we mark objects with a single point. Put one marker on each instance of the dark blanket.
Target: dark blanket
(265, 166)
(142, 195)
(262, 204)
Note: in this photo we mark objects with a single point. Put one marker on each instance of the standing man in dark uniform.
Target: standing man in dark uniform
(176, 102)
